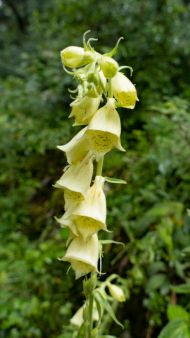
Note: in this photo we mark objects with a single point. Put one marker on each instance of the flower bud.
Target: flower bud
(104, 129)
(116, 292)
(78, 317)
(90, 215)
(74, 57)
(124, 91)
(84, 109)
(77, 148)
(77, 177)
(83, 255)
(109, 66)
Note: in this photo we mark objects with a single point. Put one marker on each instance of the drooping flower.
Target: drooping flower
(83, 255)
(124, 91)
(90, 215)
(84, 108)
(77, 148)
(116, 292)
(77, 177)
(104, 129)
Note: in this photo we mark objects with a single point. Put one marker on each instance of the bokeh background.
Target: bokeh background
(149, 214)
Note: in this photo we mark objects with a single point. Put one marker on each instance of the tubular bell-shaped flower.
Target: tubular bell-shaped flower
(84, 108)
(104, 129)
(77, 177)
(90, 215)
(77, 148)
(83, 255)
(124, 91)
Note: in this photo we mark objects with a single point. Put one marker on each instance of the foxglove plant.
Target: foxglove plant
(102, 87)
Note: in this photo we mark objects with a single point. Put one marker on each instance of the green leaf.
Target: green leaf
(99, 307)
(182, 288)
(107, 307)
(175, 329)
(157, 281)
(115, 180)
(177, 312)
(110, 241)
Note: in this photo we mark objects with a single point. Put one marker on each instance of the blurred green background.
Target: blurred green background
(149, 214)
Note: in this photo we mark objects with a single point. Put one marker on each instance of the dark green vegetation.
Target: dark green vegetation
(149, 214)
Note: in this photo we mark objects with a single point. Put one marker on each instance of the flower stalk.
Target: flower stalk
(102, 87)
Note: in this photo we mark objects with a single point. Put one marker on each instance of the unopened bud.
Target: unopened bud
(109, 66)
(124, 91)
(74, 57)
(116, 292)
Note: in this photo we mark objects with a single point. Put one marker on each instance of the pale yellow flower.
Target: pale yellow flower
(78, 318)
(83, 109)
(124, 91)
(77, 148)
(77, 177)
(90, 215)
(104, 129)
(73, 56)
(83, 255)
(72, 199)
(66, 221)
(108, 65)
(116, 292)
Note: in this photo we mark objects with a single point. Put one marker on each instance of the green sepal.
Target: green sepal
(127, 67)
(114, 180)
(107, 307)
(114, 50)
(81, 331)
(84, 40)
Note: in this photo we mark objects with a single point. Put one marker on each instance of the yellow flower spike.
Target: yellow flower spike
(83, 255)
(124, 91)
(109, 66)
(90, 215)
(77, 319)
(77, 177)
(74, 57)
(104, 129)
(83, 109)
(116, 292)
(77, 148)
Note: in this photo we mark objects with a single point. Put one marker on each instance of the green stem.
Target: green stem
(90, 309)
(99, 166)
(90, 300)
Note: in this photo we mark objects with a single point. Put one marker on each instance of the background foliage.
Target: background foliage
(149, 214)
